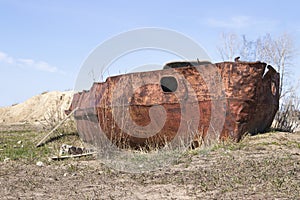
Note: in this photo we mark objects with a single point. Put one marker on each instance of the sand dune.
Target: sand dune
(37, 108)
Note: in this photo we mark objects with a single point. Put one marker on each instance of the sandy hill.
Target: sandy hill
(37, 108)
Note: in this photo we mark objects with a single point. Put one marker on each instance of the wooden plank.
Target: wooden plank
(56, 127)
(73, 156)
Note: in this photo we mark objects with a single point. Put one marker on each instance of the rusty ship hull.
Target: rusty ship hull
(120, 109)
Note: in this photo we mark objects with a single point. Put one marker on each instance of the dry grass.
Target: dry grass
(259, 167)
(54, 116)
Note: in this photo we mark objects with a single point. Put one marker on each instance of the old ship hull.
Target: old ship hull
(119, 109)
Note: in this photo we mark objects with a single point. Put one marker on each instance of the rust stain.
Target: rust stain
(249, 98)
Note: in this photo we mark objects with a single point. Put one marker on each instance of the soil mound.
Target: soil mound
(36, 109)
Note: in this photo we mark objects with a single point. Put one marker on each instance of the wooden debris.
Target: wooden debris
(73, 156)
(56, 127)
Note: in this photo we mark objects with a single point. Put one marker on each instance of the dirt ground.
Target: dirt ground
(265, 166)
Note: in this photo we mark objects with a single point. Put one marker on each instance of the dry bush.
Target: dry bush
(54, 116)
(287, 117)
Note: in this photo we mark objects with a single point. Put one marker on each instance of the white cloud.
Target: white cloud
(28, 63)
(240, 22)
(233, 22)
(43, 66)
(5, 58)
(38, 65)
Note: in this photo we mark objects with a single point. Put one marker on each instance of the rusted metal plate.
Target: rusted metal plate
(137, 110)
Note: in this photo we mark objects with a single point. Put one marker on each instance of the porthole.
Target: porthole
(168, 84)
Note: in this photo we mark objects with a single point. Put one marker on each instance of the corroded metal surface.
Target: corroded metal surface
(122, 107)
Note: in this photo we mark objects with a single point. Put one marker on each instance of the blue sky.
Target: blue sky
(43, 43)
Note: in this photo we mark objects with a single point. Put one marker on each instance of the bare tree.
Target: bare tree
(230, 45)
(278, 52)
(288, 115)
(248, 49)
